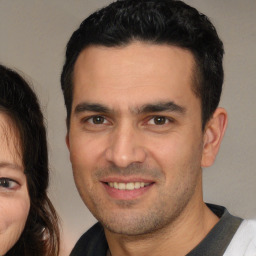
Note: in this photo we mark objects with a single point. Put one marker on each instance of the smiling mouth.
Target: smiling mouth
(128, 185)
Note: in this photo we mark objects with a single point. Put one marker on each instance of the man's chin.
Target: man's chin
(131, 226)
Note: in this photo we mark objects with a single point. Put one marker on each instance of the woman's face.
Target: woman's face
(14, 197)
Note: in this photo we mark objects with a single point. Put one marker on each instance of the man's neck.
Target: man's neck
(178, 238)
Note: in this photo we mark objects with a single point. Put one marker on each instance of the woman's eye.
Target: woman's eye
(158, 120)
(8, 183)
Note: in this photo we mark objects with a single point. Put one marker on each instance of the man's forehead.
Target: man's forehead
(134, 49)
(136, 75)
(140, 59)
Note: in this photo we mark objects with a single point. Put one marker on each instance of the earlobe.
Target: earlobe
(214, 132)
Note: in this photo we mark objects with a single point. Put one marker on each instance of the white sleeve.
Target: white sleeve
(244, 241)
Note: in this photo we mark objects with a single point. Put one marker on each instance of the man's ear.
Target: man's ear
(213, 134)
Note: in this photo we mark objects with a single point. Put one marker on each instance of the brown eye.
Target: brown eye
(4, 183)
(8, 183)
(159, 120)
(98, 120)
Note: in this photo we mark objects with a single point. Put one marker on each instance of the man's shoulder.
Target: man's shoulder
(244, 240)
(92, 242)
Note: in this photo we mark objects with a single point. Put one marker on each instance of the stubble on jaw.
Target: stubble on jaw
(128, 219)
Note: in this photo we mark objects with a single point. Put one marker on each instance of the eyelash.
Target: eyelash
(11, 184)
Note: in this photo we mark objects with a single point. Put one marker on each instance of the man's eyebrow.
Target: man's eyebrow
(146, 108)
(93, 107)
(160, 107)
(10, 165)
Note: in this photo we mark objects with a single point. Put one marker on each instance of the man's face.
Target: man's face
(135, 135)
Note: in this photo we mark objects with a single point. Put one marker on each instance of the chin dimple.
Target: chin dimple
(127, 186)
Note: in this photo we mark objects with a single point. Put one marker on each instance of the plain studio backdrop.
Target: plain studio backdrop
(33, 37)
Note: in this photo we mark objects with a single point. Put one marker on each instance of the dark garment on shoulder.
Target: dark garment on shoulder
(218, 239)
(91, 243)
(94, 243)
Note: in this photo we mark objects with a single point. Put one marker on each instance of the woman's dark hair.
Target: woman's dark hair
(41, 233)
(159, 22)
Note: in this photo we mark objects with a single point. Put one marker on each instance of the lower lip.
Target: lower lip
(126, 194)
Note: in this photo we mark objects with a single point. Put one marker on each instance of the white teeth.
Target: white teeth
(127, 186)
(130, 186)
(137, 185)
(121, 186)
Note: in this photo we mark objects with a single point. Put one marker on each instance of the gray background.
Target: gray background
(33, 35)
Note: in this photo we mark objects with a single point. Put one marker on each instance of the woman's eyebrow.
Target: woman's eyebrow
(5, 164)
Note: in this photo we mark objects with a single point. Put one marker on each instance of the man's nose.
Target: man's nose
(125, 147)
